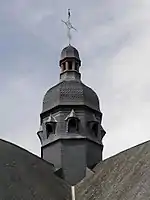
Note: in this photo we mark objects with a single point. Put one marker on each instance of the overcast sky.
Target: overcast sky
(113, 39)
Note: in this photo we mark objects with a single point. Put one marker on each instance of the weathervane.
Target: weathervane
(69, 26)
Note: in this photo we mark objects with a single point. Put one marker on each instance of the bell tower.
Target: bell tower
(70, 131)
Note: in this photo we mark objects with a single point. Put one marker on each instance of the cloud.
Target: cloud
(123, 84)
(113, 40)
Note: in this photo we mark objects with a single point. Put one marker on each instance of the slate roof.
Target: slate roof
(24, 176)
(70, 93)
(70, 52)
(125, 176)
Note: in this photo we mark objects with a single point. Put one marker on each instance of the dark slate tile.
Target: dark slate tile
(24, 176)
(125, 176)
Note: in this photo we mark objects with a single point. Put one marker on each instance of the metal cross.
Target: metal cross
(69, 26)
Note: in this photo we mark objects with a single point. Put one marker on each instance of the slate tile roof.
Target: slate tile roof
(125, 176)
(24, 176)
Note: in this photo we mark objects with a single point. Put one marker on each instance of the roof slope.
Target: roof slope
(125, 176)
(24, 176)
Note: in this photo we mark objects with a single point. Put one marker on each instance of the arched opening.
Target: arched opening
(95, 129)
(72, 126)
(70, 65)
(49, 129)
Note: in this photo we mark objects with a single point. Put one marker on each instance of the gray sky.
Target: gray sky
(113, 39)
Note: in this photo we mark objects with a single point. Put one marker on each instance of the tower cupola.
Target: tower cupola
(70, 127)
(70, 63)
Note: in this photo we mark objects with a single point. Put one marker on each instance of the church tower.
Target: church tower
(70, 131)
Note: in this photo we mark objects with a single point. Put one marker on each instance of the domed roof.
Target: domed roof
(70, 52)
(70, 93)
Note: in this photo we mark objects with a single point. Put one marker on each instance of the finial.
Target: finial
(69, 26)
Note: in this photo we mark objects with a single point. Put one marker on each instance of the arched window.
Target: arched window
(72, 125)
(49, 129)
(95, 129)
